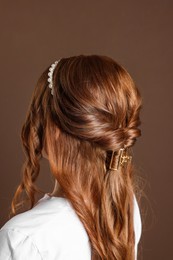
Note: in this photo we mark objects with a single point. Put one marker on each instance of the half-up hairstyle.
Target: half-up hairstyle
(94, 110)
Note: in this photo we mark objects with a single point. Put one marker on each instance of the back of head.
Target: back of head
(93, 111)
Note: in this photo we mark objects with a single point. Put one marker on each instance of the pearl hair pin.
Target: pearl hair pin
(50, 75)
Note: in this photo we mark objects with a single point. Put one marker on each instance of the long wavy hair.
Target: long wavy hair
(95, 110)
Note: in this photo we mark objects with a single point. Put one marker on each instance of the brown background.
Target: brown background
(138, 34)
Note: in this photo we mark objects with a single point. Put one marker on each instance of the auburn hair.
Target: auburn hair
(95, 110)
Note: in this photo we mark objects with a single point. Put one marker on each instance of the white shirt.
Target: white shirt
(51, 230)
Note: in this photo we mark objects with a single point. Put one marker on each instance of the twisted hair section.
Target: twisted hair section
(94, 110)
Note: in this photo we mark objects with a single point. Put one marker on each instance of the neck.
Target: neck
(57, 191)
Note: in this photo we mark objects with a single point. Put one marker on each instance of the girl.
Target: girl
(84, 118)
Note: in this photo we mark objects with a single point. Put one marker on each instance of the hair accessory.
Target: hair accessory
(119, 160)
(50, 75)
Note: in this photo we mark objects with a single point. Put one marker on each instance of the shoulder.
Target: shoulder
(137, 221)
(16, 245)
(52, 227)
(50, 214)
(35, 218)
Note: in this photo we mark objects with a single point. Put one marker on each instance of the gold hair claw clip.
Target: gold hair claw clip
(119, 160)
